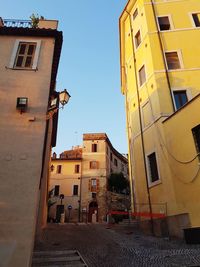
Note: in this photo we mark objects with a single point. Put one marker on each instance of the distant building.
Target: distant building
(29, 59)
(81, 174)
(160, 77)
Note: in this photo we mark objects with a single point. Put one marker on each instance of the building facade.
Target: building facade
(83, 180)
(160, 75)
(28, 67)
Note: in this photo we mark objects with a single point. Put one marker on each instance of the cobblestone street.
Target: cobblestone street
(118, 246)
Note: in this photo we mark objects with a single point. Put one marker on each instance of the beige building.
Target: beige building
(28, 68)
(82, 175)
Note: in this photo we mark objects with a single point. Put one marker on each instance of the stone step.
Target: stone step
(63, 258)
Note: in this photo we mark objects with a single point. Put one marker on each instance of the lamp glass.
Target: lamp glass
(64, 97)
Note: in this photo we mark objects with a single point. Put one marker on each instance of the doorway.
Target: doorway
(93, 206)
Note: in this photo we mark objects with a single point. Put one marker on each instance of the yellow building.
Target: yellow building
(65, 180)
(29, 59)
(81, 175)
(160, 77)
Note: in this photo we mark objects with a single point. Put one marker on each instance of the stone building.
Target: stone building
(29, 59)
(87, 169)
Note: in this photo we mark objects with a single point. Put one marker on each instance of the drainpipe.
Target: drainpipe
(163, 57)
(141, 131)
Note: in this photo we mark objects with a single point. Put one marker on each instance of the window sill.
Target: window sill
(154, 183)
(26, 69)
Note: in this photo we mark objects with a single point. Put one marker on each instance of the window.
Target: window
(135, 13)
(115, 162)
(172, 60)
(164, 23)
(196, 135)
(77, 168)
(196, 19)
(25, 55)
(111, 156)
(94, 147)
(59, 168)
(153, 170)
(142, 75)
(137, 39)
(56, 190)
(75, 190)
(93, 164)
(94, 185)
(180, 98)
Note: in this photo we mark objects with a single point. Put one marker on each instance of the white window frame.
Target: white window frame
(150, 183)
(170, 22)
(15, 49)
(136, 47)
(188, 93)
(139, 75)
(133, 19)
(192, 20)
(179, 53)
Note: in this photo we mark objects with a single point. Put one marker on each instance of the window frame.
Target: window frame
(75, 191)
(192, 19)
(180, 90)
(95, 166)
(149, 176)
(59, 167)
(15, 50)
(77, 168)
(143, 66)
(179, 54)
(135, 14)
(94, 150)
(170, 22)
(137, 45)
(197, 146)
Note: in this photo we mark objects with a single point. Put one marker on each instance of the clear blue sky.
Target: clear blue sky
(89, 65)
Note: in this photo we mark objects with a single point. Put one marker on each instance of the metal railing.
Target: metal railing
(17, 23)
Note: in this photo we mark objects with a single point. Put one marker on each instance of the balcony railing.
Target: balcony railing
(17, 23)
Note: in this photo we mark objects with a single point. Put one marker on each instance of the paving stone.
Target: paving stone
(118, 246)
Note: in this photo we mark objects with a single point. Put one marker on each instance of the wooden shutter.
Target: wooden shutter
(97, 185)
(89, 185)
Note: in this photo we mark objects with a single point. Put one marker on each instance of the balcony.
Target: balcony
(17, 23)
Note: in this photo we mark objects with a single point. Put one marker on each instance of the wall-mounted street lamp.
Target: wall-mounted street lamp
(59, 98)
(64, 97)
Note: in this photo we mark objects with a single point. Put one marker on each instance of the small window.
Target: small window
(196, 135)
(164, 23)
(153, 170)
(137, 39)
(172, 60)
(75, 190)
(180, 98)
(135, 13)
(115, 162)
(25, 55)
(196, 19)
(111, 156)
(94, 147)
(142, 75)
(56, 190)
(93, 185)
(59, 168)
(77, 168)
(93, 164)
